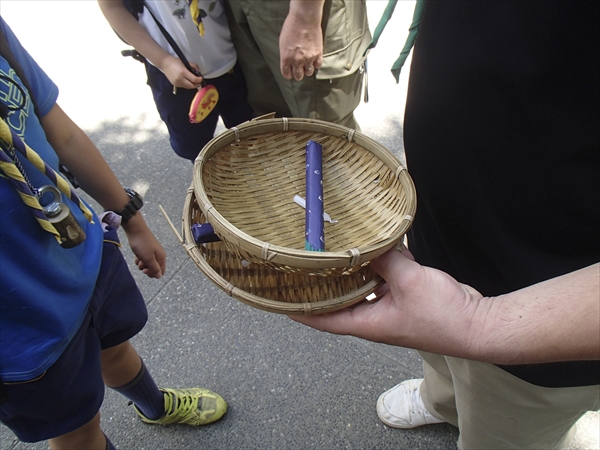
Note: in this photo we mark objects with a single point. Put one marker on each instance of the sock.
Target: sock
(144, 393)
(109, 445)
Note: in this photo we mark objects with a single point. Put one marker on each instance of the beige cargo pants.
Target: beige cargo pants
(336, 89)
(496, 410)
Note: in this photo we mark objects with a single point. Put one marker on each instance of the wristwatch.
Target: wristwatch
(134, 205)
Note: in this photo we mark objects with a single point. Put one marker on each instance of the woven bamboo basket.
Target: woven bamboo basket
(246, 178)
(269, 289)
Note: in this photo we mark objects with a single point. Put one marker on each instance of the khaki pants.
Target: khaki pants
(494, 409)
(334, 92)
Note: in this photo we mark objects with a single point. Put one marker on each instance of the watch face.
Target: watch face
(137, 201)
(134, 205)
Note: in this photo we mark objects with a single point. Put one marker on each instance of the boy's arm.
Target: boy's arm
(76, 151)
(134, 34)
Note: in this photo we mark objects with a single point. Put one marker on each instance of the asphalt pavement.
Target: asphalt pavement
(287, 386)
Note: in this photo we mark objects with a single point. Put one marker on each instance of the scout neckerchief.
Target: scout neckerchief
(10, 143)
(198, 14)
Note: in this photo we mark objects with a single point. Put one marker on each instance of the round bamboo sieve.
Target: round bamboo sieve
(246, 178)
(269, 289)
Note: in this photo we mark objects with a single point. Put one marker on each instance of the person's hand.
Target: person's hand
(150, 257)
(419, 307)
(300, 45)
(178, 75)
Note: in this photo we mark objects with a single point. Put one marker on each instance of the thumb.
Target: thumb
(392, 263)
(318, 63)
(153, 269)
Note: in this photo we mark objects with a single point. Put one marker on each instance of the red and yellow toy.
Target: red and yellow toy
(203, 103)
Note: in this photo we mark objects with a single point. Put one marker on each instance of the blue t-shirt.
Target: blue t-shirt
(44, 288)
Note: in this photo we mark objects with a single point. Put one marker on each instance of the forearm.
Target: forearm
(556, 320)
(77, 152)
(132, 32)
(80, 155)
(309, 12)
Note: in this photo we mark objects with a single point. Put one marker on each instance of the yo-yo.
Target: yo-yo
(203, 103)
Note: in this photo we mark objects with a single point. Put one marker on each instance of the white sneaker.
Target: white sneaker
(402, 406)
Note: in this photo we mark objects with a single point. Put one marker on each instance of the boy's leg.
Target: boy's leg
(62, 403)
(124, 371)
(120, 316)
(89, 436)
(68, 394)
(120, 364)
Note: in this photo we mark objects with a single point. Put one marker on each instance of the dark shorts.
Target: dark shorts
(70, 392)
(187, 139)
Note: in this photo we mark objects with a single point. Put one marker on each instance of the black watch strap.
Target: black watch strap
(135, 204)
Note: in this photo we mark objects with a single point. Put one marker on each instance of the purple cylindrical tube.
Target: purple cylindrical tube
(314, 229)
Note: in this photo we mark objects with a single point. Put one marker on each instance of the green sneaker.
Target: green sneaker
(192, 406)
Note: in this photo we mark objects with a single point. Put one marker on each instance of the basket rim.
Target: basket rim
(304, 308)
(298, 257)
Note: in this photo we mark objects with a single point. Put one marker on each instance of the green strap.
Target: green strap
(386, 16)
(410, 40)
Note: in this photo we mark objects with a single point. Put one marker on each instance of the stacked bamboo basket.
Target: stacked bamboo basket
(244, 184)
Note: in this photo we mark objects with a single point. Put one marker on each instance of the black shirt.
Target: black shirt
(502, 140)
